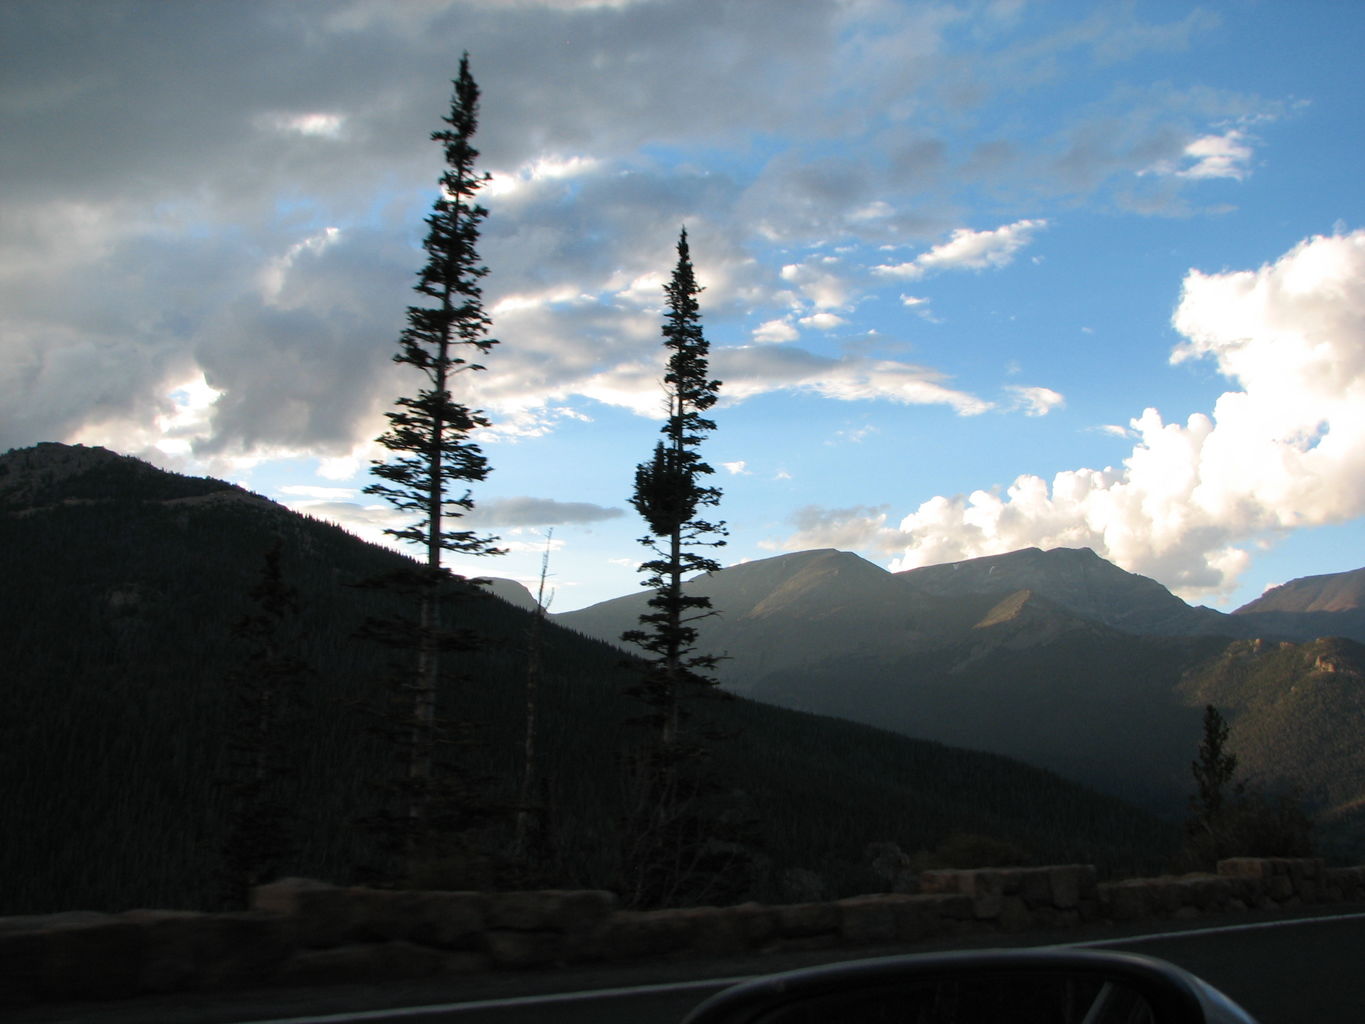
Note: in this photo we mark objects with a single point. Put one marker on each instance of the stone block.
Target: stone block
(867, 919)
(88, 956)
(636, 933)
(550, 910)
(448, 920)
(243, 948)
(755, 922)
(176, 944)
(985, 886)
(517, 948)
(319, 915)
(1036, 887)
(1244, 867)
(714, 930)
(796, 920)
(1015, 915)
(1071, 883)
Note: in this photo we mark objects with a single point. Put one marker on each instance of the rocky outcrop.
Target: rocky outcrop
(306, 932)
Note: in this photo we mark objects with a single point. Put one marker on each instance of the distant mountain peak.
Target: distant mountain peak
(50, 473)
(1075, 579)
(1332, 592)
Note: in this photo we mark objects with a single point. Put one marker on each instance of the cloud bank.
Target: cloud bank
(1285, 448)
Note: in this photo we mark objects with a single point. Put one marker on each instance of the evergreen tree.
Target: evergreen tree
(1227, 820)
(428, 439)
(262, 818)
(668, 494)
(1214, 769)
(668, 840)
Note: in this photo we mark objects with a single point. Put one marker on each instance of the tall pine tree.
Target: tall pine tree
(668, 495)
(667, 830)
(431, 455)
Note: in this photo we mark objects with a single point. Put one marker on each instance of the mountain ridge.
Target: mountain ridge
(1058, 658)
(117, 615)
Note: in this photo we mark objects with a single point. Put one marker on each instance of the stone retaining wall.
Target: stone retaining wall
(305, 932)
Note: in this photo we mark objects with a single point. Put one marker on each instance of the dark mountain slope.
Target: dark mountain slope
(118, 588)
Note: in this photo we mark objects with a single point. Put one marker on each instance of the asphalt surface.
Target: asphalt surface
(1293, 967)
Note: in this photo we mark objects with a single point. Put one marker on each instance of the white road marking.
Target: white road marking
(513, 1002)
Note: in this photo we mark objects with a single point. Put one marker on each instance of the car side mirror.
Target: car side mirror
(1029, 986)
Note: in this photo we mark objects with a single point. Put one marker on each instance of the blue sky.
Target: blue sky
(979, 276)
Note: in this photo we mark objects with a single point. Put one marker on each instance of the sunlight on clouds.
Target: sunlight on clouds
(822, 321)
(968, 250)
(736, 468)
(524, 301)
(502, 184)
(819, 282)
(317, 124)
(772, 332)
(186, 417)
(319, 493)
(1285, 450)
(860, 528)
(1216, 156)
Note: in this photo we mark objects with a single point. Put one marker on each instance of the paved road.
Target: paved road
(1284, 969)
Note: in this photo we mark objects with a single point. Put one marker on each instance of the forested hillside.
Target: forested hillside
(1056, 658)
(121, 585)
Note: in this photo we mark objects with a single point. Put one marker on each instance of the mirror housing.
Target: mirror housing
(1024, 986)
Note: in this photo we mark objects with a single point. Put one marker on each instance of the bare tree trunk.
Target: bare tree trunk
(526, 799)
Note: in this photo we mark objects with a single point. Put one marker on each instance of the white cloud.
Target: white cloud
(543, 169)
(860, 528)
(1035, 401)
(772, 332)
(1285, 449)
(968, 250)
(1211, 156)
(821, 281)
(737, 468)
(822, 321)
(318, 493)
(752, 370)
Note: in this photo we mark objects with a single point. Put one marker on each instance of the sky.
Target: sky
(978, 276)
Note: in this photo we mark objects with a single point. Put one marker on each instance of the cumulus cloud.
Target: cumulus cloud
(772, 332)
(1284, 448)
(859, 528)
(739, 468)
(969, 250)
(823, 321)
(823, 282)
